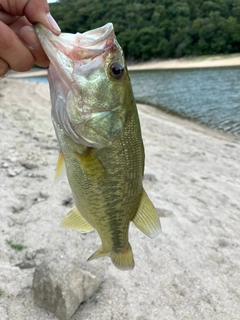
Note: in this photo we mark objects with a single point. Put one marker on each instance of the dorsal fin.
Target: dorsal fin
(75, 220)
(146, 219)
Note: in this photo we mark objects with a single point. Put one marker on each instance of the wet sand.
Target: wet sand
(190, 271)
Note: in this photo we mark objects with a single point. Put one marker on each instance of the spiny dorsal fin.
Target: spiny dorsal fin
(146, 219)
(75, 220)
(60, 168)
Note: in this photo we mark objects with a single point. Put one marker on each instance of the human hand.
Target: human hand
(20, 48)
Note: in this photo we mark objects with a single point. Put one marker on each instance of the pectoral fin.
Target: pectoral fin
(75, 220)
(146, 218)
(60, 168)
(91, 164)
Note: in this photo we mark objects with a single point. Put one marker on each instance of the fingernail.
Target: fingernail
(29, 37)
(53, 23)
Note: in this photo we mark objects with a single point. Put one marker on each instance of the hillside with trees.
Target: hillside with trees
(158, 28)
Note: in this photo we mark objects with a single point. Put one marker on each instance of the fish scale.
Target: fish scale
(110, 190)
(97, 126)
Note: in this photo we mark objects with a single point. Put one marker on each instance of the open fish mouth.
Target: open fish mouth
(92, 41)
(67, 49)
(80, 79)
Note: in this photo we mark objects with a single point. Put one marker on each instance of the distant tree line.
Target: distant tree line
(158, 28)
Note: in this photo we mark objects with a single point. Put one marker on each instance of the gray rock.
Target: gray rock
(14, 171)
(68, 202)
(30, 255)
(150, 177)
(29, 165)
(60, 286)
(26, 264)
(4, 165)
(163, 213)
(17, 209)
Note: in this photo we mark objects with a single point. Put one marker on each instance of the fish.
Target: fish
(96, 121)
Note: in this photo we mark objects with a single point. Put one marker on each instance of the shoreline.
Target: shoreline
(172, 64)
(171, 117)
(220, 61)
(155, 111)
(186, 123)
(190, 122)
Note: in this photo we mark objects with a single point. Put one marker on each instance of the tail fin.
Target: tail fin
(122, 260)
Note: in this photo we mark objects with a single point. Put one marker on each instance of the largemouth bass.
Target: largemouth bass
(97, 126)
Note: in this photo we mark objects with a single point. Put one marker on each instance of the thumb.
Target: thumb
(38, 11)
(34, 10)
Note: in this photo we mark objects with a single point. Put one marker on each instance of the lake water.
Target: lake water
(207, 96)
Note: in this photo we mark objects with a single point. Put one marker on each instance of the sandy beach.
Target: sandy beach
(185, 63)
(190, 271)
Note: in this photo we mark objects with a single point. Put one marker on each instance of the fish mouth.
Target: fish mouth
(77, 61)
(79, 50)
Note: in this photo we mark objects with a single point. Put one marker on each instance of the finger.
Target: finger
(34, 10)
(13, 51)
(24, 30)
(29, 37)
(3, 68)
(38, 11)
(7, 18)
(18, 24)
(27, 34)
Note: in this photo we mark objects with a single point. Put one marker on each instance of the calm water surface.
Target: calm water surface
(207, 96)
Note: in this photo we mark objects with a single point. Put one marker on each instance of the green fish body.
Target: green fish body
(97, 126)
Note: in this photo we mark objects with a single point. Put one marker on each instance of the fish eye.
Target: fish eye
(116, 70)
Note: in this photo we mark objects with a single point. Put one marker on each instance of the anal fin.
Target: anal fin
(98, 254)
(75, 220)
(146, 219)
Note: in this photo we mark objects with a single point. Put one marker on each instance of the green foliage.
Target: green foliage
(158, 28)
(16, 246)
(1, 292)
